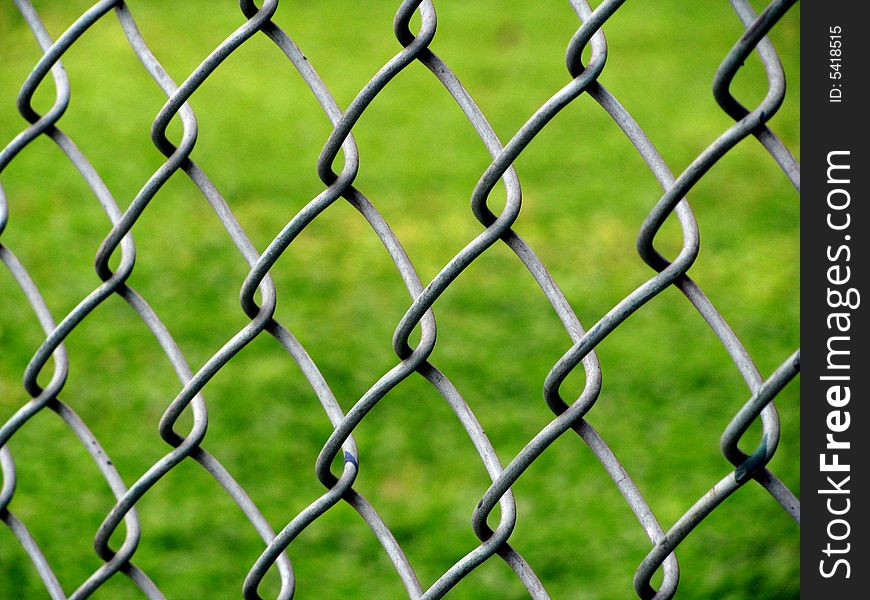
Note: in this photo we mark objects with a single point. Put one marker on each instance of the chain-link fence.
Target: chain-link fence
(340, 166)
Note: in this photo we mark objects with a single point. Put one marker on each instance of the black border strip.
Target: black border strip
(834, 333)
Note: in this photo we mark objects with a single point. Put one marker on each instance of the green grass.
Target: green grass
(669, 388)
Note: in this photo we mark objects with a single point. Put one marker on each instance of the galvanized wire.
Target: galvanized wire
(338, 181)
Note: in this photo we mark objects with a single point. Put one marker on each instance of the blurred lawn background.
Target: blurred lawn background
(669, 388)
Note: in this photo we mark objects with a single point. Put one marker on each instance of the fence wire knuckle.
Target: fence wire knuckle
(339, 462)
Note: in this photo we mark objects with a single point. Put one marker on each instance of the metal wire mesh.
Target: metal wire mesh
(339, 462)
